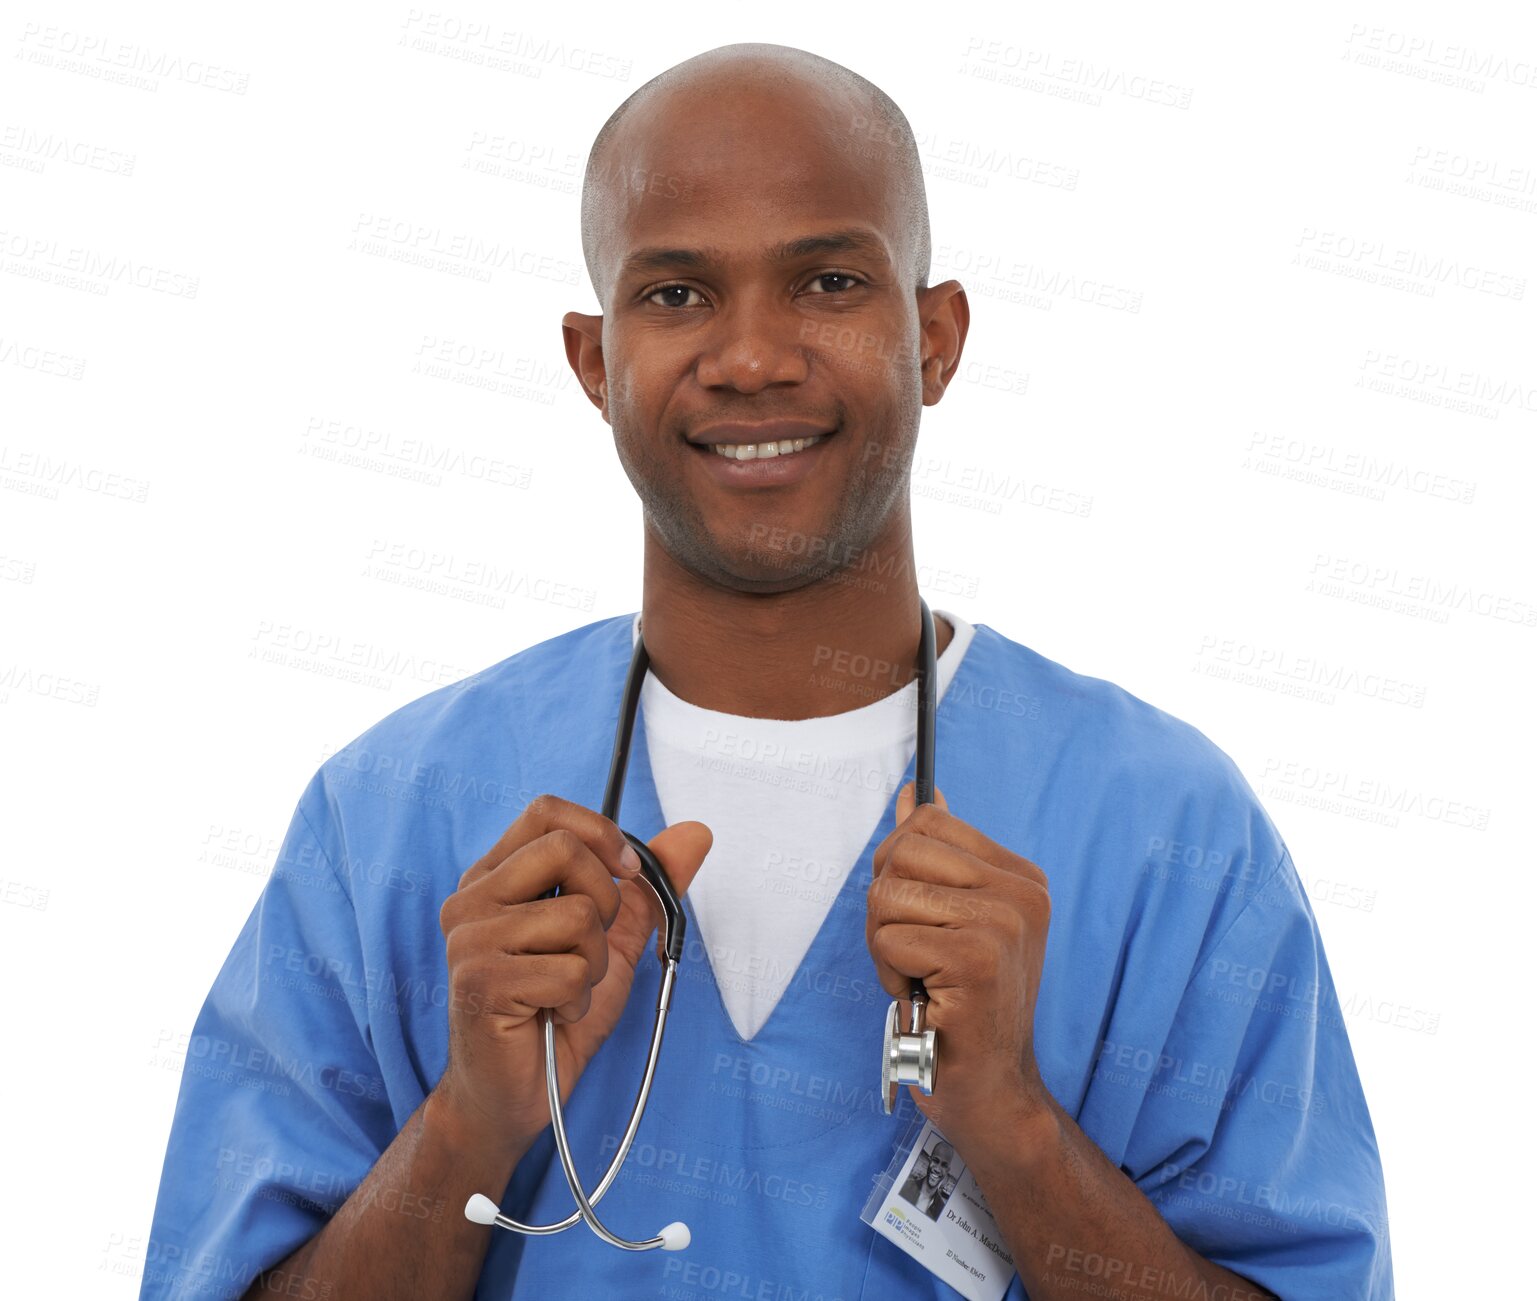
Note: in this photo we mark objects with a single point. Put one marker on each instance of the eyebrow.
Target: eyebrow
(853, 240)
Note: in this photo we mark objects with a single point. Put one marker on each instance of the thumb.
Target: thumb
(907, 801)
(681, 849)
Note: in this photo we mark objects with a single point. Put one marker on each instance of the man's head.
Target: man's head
(756, 229)
(939, 1164)
(864, 122)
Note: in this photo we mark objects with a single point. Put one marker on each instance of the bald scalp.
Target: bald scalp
(879, 135)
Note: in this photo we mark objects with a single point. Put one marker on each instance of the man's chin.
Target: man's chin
(755, 568)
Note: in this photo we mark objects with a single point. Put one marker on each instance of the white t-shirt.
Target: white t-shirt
(792, 805)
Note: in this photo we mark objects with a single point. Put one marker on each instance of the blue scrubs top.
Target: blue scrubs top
(1186, 1019)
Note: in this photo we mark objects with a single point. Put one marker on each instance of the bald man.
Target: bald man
(1161, 1101)
(917, 1181)
(936, 1178)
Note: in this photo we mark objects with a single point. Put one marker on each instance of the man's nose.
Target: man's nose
(752, 345)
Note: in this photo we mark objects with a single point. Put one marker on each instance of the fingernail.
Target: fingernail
(629, 859)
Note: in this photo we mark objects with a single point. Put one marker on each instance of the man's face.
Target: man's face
(939, 1164)
(825, 336)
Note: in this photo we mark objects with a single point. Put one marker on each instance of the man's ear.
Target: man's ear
(944, 316)
(583, 335)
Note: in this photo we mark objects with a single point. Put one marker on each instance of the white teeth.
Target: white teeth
(761, 451)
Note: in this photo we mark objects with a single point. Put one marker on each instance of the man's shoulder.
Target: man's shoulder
(485, 712)
(1132, 810)
(1082, 719)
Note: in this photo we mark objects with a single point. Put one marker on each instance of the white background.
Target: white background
(217, 496)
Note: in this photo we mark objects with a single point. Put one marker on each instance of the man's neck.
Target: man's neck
(818, 650)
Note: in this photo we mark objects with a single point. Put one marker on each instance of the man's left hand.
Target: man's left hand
(968, 917)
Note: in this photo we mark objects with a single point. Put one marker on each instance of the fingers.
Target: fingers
(915, 856)
(950, 937)
(903, 952)
(936, 822)
(894, 898)
(557, 859)
(543, 814)
(898, 906)
(568, 924)
(548, 953)
(947, 904)
(511, 949)
(521, 984)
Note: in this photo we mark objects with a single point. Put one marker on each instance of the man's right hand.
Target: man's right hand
(511, 953)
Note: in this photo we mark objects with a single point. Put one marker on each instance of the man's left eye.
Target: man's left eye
(838, 275)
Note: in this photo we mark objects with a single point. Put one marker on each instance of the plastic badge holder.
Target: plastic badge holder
(886, 1180)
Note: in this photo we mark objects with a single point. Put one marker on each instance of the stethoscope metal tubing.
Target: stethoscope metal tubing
(674, 925)
(558, 1122)
(664, 1000)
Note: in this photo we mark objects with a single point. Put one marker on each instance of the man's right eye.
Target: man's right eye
(671, 289)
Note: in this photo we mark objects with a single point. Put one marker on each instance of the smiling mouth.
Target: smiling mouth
(764, 451)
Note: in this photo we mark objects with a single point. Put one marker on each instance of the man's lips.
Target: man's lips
(771, 464)
(770, 431)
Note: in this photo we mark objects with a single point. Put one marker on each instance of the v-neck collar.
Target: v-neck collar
(956, 751)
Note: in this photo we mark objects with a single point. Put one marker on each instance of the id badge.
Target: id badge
(928, 1204)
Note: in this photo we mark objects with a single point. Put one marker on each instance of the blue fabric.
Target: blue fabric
(1187, 1018)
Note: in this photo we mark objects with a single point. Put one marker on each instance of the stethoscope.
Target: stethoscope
(912, 1057)
(908, 1058)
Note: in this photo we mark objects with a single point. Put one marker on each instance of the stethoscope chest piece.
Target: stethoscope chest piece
(908, 1058)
